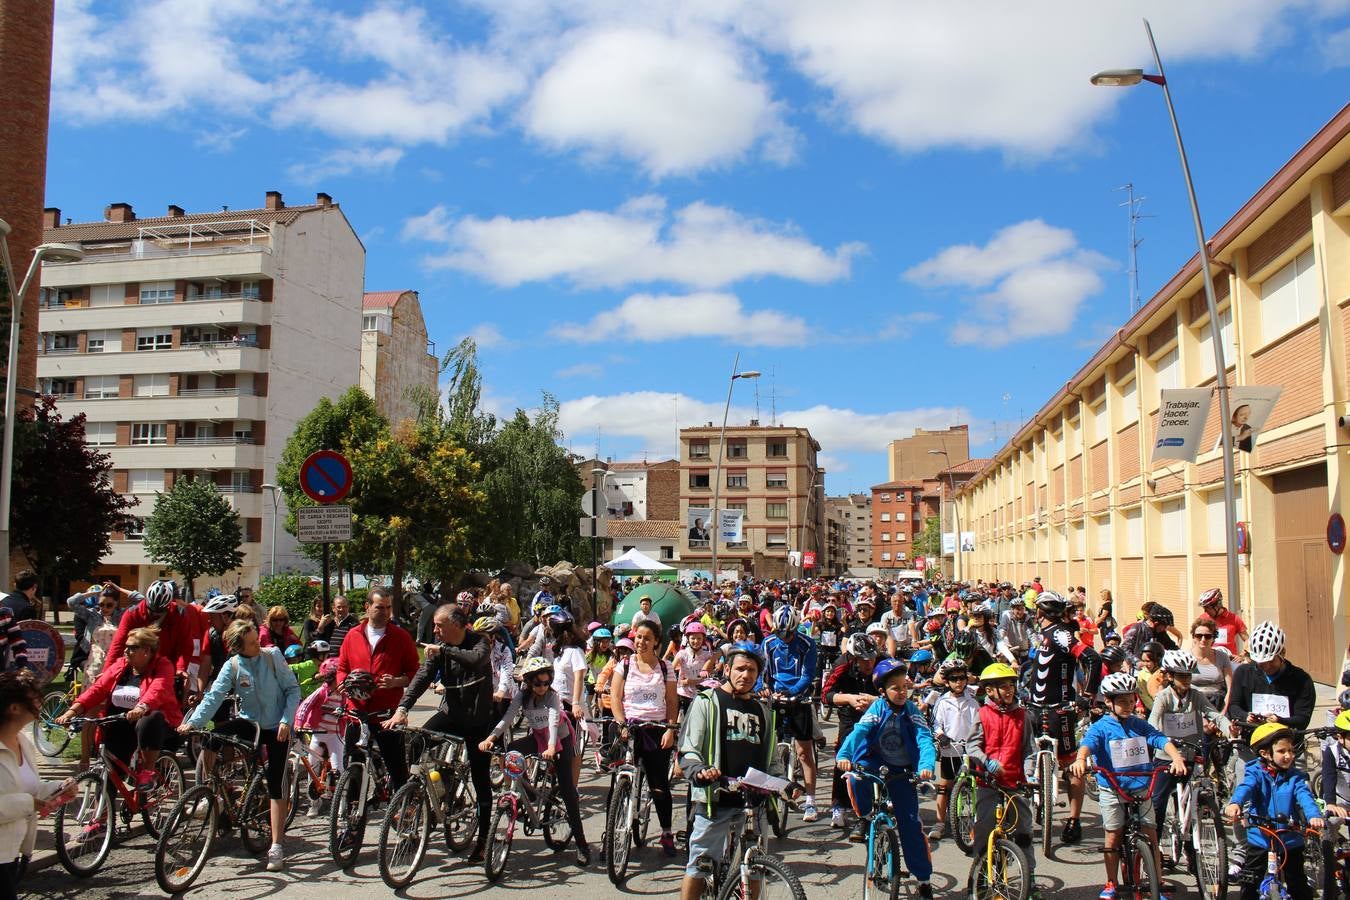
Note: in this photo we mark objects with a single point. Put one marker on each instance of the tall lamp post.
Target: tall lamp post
(272, 553)
(956, 515)
(1129, 78)
(598, 477)
(56, 253)
(721, 448)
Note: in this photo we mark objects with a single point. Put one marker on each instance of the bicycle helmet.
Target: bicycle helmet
(560, 620)
(877, 628)
(744, 648)
(1050, 605)
(985, 609)
(486, 608)
(1161, 614)
(785, 620)
(1112, 654)
(996, 672)
(1267, 733)
(1153, 649)
(1343, 721)
(602, 634)
(159, 596)
(953, 668)
(858, 646)
(1119, 684)
(485, 624)
(320, 647)
(964, 642)
(358, 685)
(533, 666)
(328, 666)
(539, 608)
(1179, 662)
(294, 652)
(1345, 699)
(624, 643)
(225, 605)
(695, 628)
(921, 657)
(1267, 642)
(887, 668)
(1211, 597)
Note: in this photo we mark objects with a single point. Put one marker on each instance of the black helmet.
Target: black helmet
(964, 642)
(1051, 605)
(1161, 614)
(1153, 649)
(1113, 654)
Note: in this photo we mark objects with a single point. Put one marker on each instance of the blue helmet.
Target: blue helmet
(886, 668)
(744, 648)
(921, 657)
(294, 652)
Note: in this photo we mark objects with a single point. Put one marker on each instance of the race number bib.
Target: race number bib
(1270, 705)
(1180, 725)
(829, 639)
(1128, 752)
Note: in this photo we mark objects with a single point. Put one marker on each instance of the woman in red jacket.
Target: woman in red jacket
(278, 632)
(140, 684)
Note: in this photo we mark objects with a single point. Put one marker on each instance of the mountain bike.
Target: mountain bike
(785, 761)
(747, 868)
(1273, 885)
(50, 738)
(303, 779)
(524, 797)
(1044, 774)
(1192, 832)
(884, 868)
(439, 792)
(364, 783)
(1001, 870)
(1139, 876)
(235, 788)
(829, 658)
(628, 814)
(961, 806)
(106, 795)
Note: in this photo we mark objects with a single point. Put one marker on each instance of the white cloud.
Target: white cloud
(675, 104)
(1336, 49)
(486, 335)
(581, 370)
(345, 162)
(700, 245)
(1028, 281)
(649, 318)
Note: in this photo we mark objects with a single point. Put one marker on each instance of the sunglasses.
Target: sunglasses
(1203, 636)
(541, 682)
(131, 648)
(282, 619)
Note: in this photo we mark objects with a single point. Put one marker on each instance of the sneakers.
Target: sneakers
(1073, 832)
(1108, 891)
(316, 808)
(809, 812)
(145, 781)
(936, 832)
(857, 835)
(583, 854)
(925, 890)
(837, 818)
(668, 843)
(276, 860)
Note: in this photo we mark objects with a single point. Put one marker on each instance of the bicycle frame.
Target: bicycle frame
(115, 772)
(369, 752)
(1005, 812)
(1277, 853)
(1134, 824)
(882, 818)
(523, 793)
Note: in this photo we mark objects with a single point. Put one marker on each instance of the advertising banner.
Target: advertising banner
(809, 559)
(699, 523)
(967, 542)
(729, 525)
(1181, 422)
(1251, 407)
(948, 543)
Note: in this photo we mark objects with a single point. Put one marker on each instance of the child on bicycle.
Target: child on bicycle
(954, 716)
(1274, 788)
(1336, 767)
(894, 733)
(1119, 743)
(1180, 712)
(1000, 742)
(318, 714)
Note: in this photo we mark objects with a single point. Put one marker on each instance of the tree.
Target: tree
(929, 541)
(194, 531)
(64, 506)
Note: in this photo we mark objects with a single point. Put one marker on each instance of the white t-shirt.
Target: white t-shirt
(374, 635)
(566, 665)
(640, 616)
(644, 695)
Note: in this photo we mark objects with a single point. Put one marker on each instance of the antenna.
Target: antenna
(1133, 203)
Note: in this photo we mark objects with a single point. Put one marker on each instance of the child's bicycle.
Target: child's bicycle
(1139, 876)
(1001, 870)
(304, 780)
(1192, 832)
(961, 805)
(1273, 885)
(747, 868)
(50, 738)
(884, 861)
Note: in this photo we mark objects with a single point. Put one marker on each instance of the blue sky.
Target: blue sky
(903, 214)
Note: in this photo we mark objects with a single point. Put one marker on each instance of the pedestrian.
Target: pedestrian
(278, 632)
(24, 602)
(342, 622)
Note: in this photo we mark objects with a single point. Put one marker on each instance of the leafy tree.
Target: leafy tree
(64, 508)
(929, 541)
(194, 531)
(291, 591)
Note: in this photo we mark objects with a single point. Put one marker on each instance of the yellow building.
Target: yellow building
(1073, 496)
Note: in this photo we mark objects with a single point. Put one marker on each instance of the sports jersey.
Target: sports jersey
(1057, 655)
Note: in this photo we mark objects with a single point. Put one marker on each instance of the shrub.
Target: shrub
(291, 591)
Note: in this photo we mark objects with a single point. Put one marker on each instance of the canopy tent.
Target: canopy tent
(636, 561)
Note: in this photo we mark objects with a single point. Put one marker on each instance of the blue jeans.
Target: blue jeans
(905, 803)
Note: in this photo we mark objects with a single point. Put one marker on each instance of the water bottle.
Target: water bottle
(436, 785)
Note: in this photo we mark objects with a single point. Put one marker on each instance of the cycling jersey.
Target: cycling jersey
(791, 664)
(1057, 655)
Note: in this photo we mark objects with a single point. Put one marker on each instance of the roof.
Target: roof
(970, 466)
(381, 299)
(642, 466)
(913, 484)
(644, 528)
(81, 232)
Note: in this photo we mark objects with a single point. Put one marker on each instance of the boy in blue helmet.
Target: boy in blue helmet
(894, 733)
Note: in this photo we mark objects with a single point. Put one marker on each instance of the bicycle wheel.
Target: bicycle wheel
(184, 843)
(1314, 869)
(890, 870)
(1211, 856)
(404, 834)
(777, 807)
(461, 814)
(255, 816)
(642, 816)
(49, 738)
(1143, 871)
(499, 841)
(297, 778)
(167, 790)
(1008, 878)
(84, 826)
(619, 831)
(1171, 842)
(963, 813)
(1045, 798)
(347, 816)
(776, 881)
(557, 830)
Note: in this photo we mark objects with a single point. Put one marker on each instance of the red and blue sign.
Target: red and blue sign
(326, 476)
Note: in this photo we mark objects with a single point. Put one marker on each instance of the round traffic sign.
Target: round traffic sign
(326, 476)
(46, 648)
(1336, 533)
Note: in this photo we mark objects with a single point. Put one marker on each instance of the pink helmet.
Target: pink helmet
(695, 628)
(625, 644)
(593, 627)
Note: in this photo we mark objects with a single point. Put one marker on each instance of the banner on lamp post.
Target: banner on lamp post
(948, 543)
(729, 525)
(809, 559)
(1181, 422)
(967, 542)
(1251, 407)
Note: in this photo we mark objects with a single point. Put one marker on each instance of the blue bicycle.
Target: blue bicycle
(884, 860)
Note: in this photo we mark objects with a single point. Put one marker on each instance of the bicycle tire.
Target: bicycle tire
(1144, 871)
(51, 739)
(499, 842)
(1172, 844)
(892, 867)
(731, 856)
(618, 831)
(255, 819)
(770, 869)
(642, 815)
(346, 835)
(461, 814)
(963, 813)
(296, 778)
(1314, 869)
(1211, 857)
(92, 803)
(184, 844)
(408, 821)
(169, 786)
(557, 829)
(1011, 874)
(1045, 766)
(777, 806)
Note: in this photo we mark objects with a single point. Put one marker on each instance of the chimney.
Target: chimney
(323, 199)
(51, 217)
(119, 212)
(274, 200)
(175, 211)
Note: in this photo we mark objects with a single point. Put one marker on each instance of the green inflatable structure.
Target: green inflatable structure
(671, 602)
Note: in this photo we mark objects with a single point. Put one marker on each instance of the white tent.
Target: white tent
(636, 561)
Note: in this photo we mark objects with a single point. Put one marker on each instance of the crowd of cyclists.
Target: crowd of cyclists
(1007, 688)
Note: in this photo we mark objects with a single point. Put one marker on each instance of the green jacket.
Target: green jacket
(700, 746)
(306, 673)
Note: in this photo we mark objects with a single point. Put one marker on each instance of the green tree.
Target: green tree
(929, 541)
(194, 531)
(291, 591)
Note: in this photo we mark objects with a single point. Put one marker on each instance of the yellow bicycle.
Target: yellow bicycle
(1002, 870)
(50, 738)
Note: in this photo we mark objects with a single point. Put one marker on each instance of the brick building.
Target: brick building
(897, 510)
(397, 358)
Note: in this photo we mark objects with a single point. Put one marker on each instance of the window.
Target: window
(899, 517)
(698, 450)
(59, 387)
(776, 478)
(370, 323)
(900, 536)
(243, 432)
(776, 511)
(146, 433)
(249, 290)
(241, 481)
(1172, 521)
(100, 434)
(777, 449)
(885, 535)
(145, 481)
(63, 343)
(885, 517)
(737, 448)
(667, 552)
(899, 496)
(150, 386)
(1134, 531)
(775, 539)
(1215, 526)
(699, 479)
(107, 294)
(1289, 297)
(886, 556)
(1076, 540)
(1129, 402)
(1169, 369)
(154, 339)
(135, 529)
(1229, 345)
(885, 498)
(100, 387)
(738, 479)
(156, 292)
(103, 341)
(1101, 525)
(1101, 422)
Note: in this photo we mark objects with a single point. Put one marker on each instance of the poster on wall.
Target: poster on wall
(729, 525)
(1181, 422)
(967, 542)
(700, 526)
(948, 543)
(1251, 407)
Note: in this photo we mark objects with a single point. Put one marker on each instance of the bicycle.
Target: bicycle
(303, 779)
(364, 783)
(628, 814)
(542, 808)
(1002, 870)
(883, 867)
(961, 806)
(784, 760)
(1138, 866)
(1045, 773)
(1193, 827)
(1272, 885)
(827, 664)
(49, 737)
(86, 825)
(236, 788)
(759, 873)
(440, 792)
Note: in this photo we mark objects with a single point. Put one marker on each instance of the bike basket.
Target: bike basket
(514, 764)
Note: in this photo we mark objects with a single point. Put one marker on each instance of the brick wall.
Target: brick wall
(1295, 363)
(1280, 236)
(1127, 453)
(663, 491)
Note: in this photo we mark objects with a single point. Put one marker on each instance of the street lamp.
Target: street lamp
(721, 447)
(56, 253)
(1129, 78)
(274, 491)
(598, 477)
(956, 515)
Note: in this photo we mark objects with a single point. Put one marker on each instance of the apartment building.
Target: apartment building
(397, 358)
(1075, 496)
(848, 533)
(642, 504)
(896, 514)
(194, 343)
(770, 473)
(926, 452)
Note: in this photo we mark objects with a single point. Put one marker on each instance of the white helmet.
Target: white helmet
(859, 647)
(1267, 642)
(1180, 661)
(224, 604)
(1119, 683)
(785, 619)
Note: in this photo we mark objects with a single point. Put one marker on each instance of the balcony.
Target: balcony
(188, 455)
(219, 312)
(224, 404)
(230, 357)
(214, 440)
(242, 340)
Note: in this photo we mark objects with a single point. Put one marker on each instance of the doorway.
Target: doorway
(1303, 571)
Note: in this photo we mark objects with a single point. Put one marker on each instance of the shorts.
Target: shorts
(797, 721)
(708, 837)
(1063, 726)
(948, 766)
(1113, 809)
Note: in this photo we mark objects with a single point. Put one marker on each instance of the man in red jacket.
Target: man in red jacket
(387, 652)
(157, 607)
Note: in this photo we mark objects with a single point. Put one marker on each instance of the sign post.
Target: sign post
(325, 478)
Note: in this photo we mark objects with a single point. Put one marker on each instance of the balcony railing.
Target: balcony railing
(217, 298)
(218, 392)
(696, 544)
(51, 351)
(237, 489)
(214, 440)
(240, 341)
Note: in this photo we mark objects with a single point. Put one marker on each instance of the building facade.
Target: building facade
(193, 344)
(397, 358)
(770, 473)
(921, 455)
(896, 513)
(1075, 495)
(848, 532)
(641, 506)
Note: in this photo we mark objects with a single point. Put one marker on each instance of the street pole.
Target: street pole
(598, 479)
(717, 473)
(272, 552)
